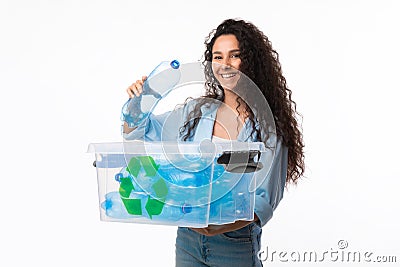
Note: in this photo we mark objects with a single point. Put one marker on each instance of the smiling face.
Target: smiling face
(226, 60)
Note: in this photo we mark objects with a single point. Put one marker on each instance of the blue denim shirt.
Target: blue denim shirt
(165, 127)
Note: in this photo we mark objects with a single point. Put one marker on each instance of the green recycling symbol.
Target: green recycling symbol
(154, 206)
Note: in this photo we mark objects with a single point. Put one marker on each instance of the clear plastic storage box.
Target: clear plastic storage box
(183, 184)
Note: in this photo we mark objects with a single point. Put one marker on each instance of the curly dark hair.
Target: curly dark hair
(260, 63)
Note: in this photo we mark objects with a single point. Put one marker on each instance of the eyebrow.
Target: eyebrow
(230, 51)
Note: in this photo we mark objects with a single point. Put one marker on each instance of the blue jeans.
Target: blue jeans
(237, 248)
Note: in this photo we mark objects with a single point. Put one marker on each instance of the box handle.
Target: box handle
(240, 161)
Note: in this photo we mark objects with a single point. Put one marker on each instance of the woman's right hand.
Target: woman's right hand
(136, 88)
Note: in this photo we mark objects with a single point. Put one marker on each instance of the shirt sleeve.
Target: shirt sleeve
(270, 192)
(163, 127)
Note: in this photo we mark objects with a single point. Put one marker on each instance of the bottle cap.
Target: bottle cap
(186, 208)
(175, 64)
(118, 177)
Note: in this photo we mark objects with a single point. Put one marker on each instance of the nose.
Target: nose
(226, 64)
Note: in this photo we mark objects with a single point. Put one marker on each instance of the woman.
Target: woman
(235, 48)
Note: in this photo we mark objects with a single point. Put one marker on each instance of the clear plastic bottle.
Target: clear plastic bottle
(115, 207)
(174, 213)
(158, 84)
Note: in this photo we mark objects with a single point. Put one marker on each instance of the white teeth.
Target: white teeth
(229, 75)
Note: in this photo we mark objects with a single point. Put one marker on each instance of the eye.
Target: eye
(217, 57)
(236, 55)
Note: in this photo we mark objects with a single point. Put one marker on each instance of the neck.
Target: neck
(230, 100)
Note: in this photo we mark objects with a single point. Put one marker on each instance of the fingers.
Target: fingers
(136, 88)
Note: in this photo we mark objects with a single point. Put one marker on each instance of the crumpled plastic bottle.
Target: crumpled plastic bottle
(158, 84)
(114, 207)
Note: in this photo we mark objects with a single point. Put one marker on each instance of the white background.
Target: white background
(64, 69)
